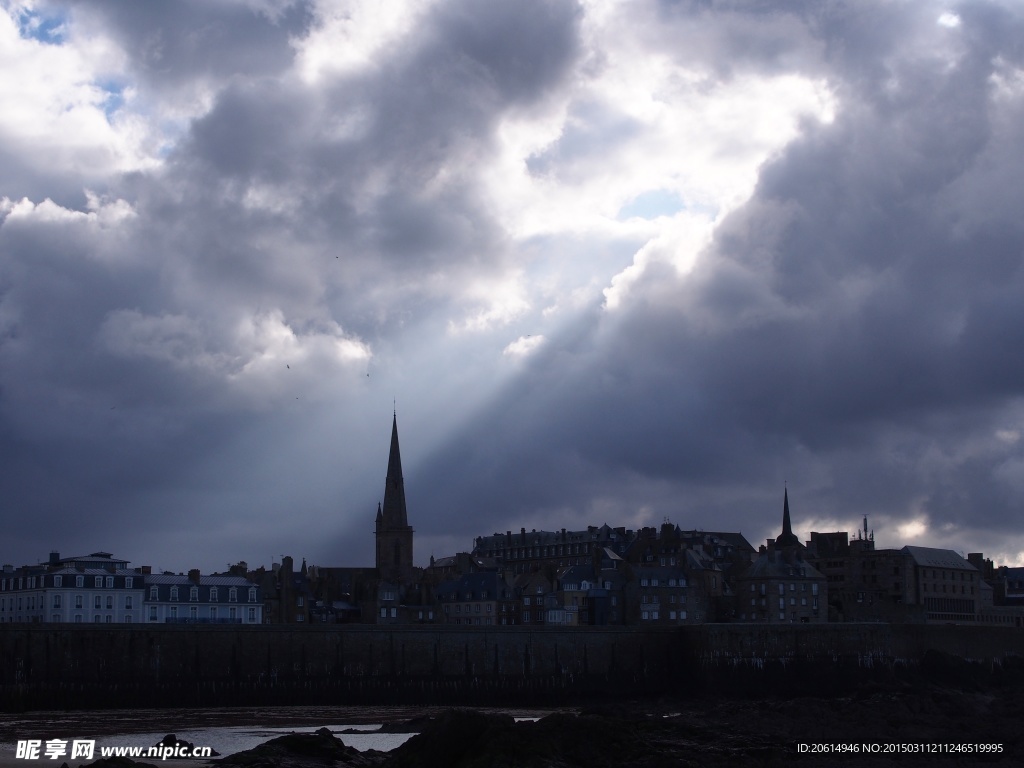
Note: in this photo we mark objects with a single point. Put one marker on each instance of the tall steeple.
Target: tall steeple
(394, 512)
(786, 538)
(393, 532)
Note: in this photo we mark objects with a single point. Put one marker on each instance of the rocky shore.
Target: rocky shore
(677, 732)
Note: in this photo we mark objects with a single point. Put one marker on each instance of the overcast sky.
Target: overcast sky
(612, 262)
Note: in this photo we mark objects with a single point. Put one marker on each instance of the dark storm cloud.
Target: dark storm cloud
(170, 44)
(320, 210)
(851, 328)
(854, 328)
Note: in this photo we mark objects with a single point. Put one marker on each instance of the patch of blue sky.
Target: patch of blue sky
(48, 28)
(114, 99)
(651, 205)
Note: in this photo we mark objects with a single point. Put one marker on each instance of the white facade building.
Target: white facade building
(94, 588)
(194, 599)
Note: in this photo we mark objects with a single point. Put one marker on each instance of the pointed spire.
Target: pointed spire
(394, 512)
(786, 538)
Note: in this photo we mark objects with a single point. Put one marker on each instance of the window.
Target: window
(193, 594)
(110, 602)
(128, 618)
(110, 582)
(78, 601)
(98, 582)
(252, 614)
(233, 595)
(79, 581)
(56, 601)
(174, 594)
(97, 601)
(193, 613)
(127, 602)
(300, 601)
(252, 594)
(153, 593)
(174, 612)
(213, 595)
(129, 581)
(232, 613)
(55, 618)
(58, 581)
(213, 613)
(152, 613)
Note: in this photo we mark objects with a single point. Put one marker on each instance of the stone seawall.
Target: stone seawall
(89, 666)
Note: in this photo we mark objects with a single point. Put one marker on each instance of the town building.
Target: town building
(483, 598)
(96, 588)
(174, 598)
(781, 586)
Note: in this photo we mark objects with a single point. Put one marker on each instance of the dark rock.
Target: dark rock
(170, 741)
(297, 750)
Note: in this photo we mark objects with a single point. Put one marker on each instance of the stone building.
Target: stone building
(781, 586)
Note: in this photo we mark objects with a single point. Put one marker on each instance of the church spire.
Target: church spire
(393, 532)
(394, 511)
(786, 538)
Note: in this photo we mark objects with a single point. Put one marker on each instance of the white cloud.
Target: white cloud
(55, 112)
(523, 346)
(352, 35)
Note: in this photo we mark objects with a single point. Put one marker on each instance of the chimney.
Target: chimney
(193, 575)
(54, 557)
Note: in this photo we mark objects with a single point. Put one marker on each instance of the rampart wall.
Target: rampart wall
(90, 666)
